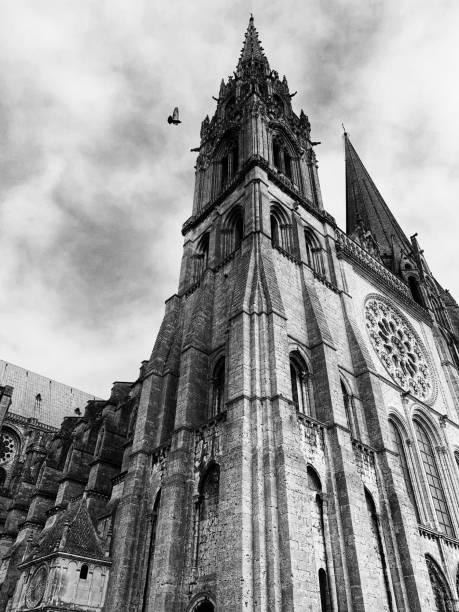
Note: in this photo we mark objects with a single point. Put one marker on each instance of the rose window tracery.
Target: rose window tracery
(8, 447)
(399, 348)
(36, 588)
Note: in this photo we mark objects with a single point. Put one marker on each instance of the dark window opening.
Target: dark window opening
(288, 165)
(225, 170)
(238, 232)
(275, 234)
(300, 383)
(235, 158)
(205, 606)
(84, 572)
(277, 155)
(218, 390)
(325, 602)
(347, 406)
(415, 290)
(2, 477)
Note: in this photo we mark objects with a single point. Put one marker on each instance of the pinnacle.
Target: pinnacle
(252, 49)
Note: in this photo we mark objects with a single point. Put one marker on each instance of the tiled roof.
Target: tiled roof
(73, 532)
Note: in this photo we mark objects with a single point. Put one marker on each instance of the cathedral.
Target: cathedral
(292, 443)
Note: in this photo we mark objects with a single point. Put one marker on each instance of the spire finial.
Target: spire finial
(252, 49)
(344, 129)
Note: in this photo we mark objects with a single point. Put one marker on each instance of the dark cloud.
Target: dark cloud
(95, 185)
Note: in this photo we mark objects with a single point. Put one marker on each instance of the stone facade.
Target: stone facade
(292, 443)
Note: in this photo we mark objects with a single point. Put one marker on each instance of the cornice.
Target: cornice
(346, 248)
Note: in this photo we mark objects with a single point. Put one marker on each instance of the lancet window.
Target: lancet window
(218, 387)
(233, 231)
(301, 384)
(229, 162)
(434, 480)
(399, 447)
(201, 258)
(281, 229)
(282, 157)
(347, 407)
(415, 289)
(318, 529)
(314, 257)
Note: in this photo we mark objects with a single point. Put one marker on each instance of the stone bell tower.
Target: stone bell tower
(261, 475)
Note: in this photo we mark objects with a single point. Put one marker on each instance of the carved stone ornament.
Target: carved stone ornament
(399, 348)
(36, 588)
(8, 448)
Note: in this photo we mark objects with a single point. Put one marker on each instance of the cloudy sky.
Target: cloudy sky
(94, 185)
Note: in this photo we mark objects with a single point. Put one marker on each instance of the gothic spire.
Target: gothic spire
(252, 49)
(364, 204)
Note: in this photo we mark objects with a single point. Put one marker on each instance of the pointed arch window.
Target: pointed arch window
(300, 384)
(229, 161)
(318, 522)
(218, 387)
(314, 257)
(282, 157)
(434, 480)
(233, 231)
(397, 445)
(347, 407)
(281, 229)
(443, 601)
(201, 257)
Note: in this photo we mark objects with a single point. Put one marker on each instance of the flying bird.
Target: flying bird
(174, 118)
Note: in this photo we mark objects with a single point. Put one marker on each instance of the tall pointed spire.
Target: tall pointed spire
(364, 204)
(252, 49)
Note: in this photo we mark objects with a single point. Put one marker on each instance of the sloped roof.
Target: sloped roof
(73, 533)
(364, 202)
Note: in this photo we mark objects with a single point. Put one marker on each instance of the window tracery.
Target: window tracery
(9, 447)
(313, 252)
(434, 480)
(282, 157)
(300, 384)
(281, 229)
(399, 349)
(397, 444)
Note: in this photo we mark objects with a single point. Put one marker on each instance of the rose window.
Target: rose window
(399, 348)
(8, 448)
(36, 588)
